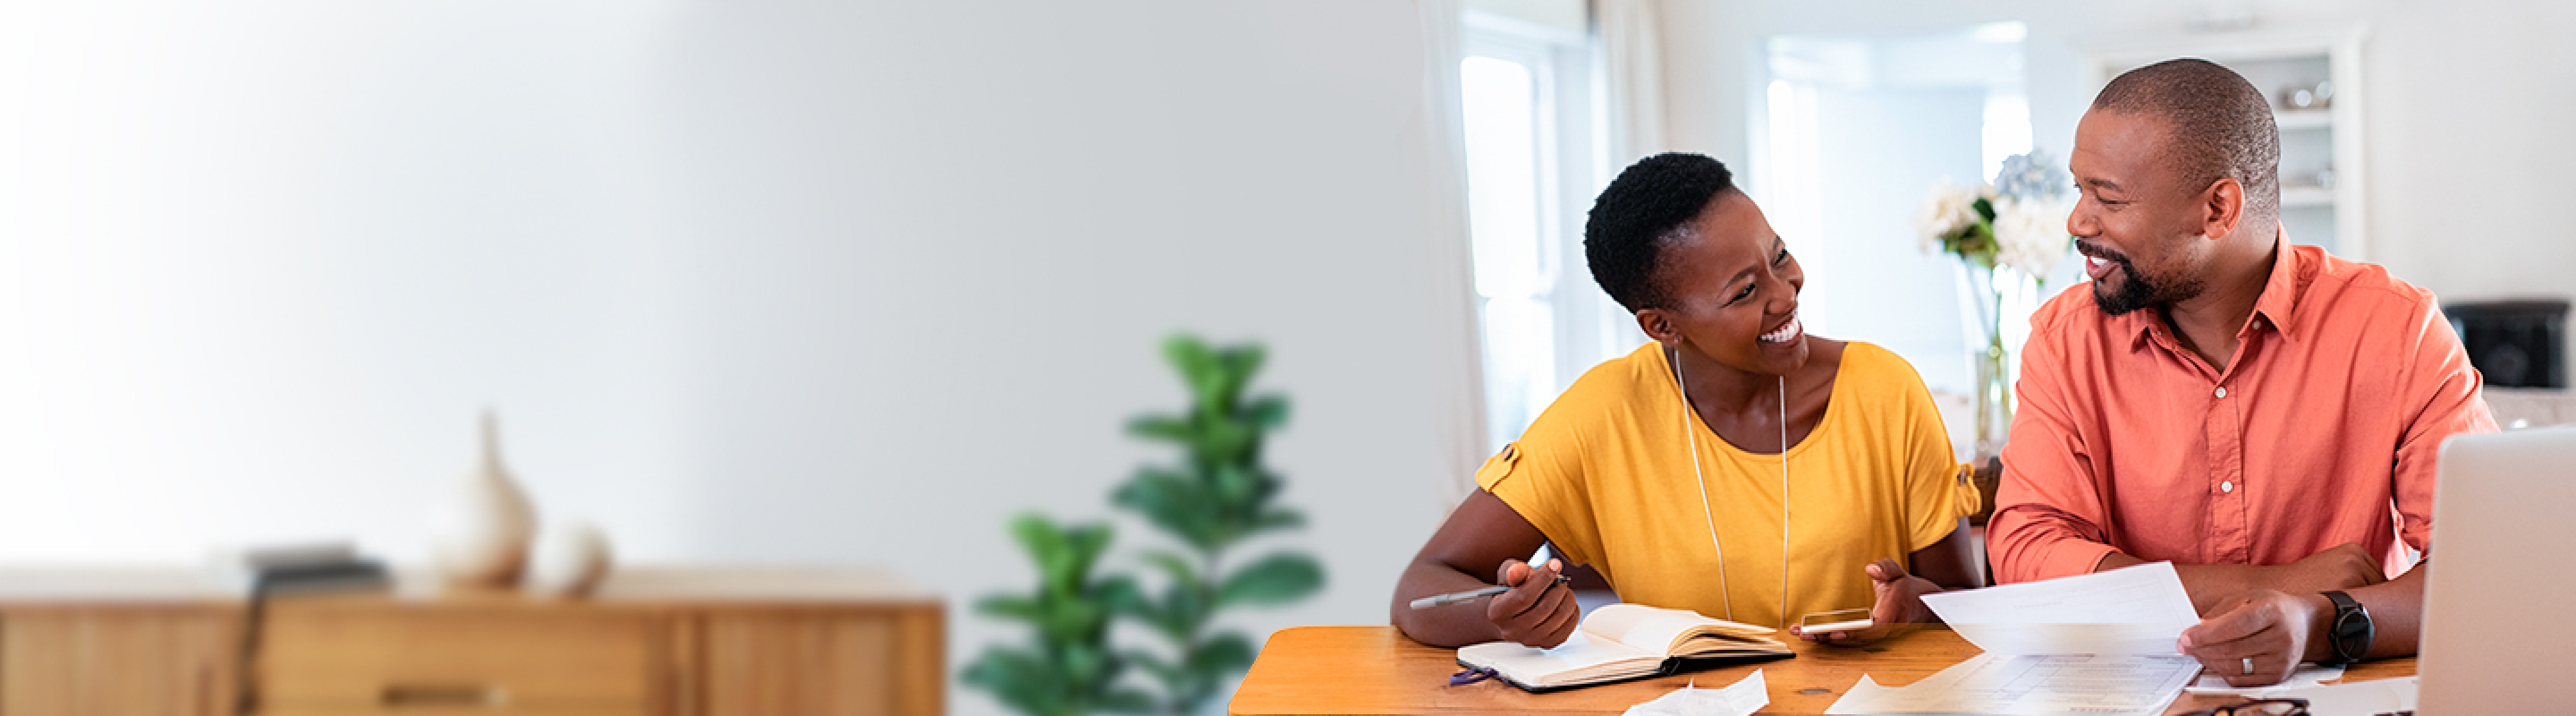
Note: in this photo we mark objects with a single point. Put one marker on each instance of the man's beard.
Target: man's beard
(2137, 290)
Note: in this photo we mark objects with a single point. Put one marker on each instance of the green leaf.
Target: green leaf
(1126, 700)
(1222, 655)
(1245, 359)
(1163, 427)
(1172, 564)
(1269, 412)
(1200, 368)
(1279, 578)
(1225, 441)
(1117, 594)
(1067, 620)
(1185, 609)
(1038, 683)
(1277, 518)
(1009, 606)
(1235, 487)
(1177, 503)
(1063, 555)
(1153, 664)
(1017, 679)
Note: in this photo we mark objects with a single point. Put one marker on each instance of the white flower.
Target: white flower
(2030, 236)
(1948, 209)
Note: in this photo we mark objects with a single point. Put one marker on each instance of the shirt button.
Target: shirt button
(2228, 486)
(2222, 391)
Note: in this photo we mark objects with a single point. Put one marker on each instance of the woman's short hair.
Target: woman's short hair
(1650, 205)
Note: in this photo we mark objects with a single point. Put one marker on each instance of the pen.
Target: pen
(1437, 600)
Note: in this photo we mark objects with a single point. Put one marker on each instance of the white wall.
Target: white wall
(2467, 146)
(774, 282)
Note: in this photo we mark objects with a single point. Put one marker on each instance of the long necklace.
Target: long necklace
(1725, 592)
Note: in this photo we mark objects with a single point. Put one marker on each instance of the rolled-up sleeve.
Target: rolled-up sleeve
(2048, 510)
(2444, 392)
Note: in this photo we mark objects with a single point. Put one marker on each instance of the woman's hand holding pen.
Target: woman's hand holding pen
(1539, 610)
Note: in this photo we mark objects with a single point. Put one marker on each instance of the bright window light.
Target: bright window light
(1502, 108)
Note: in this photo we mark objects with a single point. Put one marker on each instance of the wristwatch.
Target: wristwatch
(2351, 632)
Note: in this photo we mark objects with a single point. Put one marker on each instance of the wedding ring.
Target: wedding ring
(2249, 665)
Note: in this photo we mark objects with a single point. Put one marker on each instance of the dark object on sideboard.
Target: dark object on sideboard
(2515, 344)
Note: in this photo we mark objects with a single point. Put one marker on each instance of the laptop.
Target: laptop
(2496, 637)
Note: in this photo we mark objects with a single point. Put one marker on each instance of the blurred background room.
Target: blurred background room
(846, 286)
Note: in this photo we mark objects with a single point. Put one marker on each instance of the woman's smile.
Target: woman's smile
(1787, 333)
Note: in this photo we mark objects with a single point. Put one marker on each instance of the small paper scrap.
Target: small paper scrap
(1742, 699)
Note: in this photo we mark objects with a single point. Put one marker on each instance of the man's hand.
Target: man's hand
(1899, 602)
(1537, 611)
(2342, 566)
(2264, 629)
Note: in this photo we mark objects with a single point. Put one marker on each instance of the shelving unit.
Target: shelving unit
(2323, 171)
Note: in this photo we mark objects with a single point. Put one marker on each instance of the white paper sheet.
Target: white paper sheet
(2367, 698)
(1747, 696)
(2099, 644)
(2309, 674)
(2132, 610)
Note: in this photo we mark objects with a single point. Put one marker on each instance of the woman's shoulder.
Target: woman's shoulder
(1621, 378)
(1616, 392)
(1883, 389)
(1867, 366)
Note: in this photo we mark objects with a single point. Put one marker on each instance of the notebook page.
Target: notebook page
(1579, 655)
(1650, 628)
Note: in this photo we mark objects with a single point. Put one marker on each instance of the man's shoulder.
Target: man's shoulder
(2342, 300)
(2326, 279)
(2072, 309)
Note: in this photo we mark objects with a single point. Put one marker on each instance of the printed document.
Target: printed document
(2098, 645)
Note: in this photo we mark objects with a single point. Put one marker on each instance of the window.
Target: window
(1532, 170)
(1851, 132)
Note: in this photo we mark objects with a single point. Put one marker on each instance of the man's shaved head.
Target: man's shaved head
(2217, 124)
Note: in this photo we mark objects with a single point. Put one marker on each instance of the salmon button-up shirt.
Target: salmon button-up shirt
(2322, 430)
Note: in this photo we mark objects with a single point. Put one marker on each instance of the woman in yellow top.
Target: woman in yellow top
(1736, 466)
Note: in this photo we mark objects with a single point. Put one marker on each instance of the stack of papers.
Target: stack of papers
(2097, 645)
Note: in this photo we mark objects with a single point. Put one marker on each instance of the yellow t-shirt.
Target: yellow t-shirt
(1606, 473)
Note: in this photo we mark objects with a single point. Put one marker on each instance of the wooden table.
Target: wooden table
(1377, 670)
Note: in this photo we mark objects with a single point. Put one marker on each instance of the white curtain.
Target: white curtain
(1632, 69)
(1452, 278)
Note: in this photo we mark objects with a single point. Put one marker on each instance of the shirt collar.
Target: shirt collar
(2279, 303)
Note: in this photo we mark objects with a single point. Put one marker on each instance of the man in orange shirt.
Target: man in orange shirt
(2262, 414)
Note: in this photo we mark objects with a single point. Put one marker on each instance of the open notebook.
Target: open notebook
(1620, 642)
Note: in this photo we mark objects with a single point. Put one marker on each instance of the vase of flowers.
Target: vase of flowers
(2007, 235)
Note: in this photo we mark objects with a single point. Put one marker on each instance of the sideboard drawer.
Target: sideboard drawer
(430, 661)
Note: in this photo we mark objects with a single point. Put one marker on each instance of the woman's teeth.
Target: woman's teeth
(1785, 334)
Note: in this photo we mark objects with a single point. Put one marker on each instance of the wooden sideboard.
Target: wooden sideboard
(651, 642)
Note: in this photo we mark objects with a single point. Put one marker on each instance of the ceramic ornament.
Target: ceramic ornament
(569, 561)
(480, 536)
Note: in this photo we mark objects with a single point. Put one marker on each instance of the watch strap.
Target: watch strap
(2351, 632)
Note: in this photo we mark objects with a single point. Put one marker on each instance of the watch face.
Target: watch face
(2352, 633)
